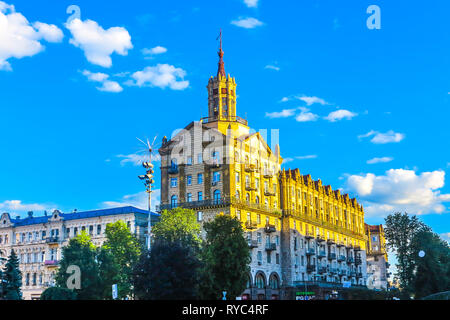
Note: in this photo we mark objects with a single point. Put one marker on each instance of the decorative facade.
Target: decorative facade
(38, 241)
(301, 233)
(377, 259)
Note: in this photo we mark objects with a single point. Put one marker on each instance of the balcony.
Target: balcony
(310, 251)
(250, 187)
(352, 273)
(51, 262)
(208, 203)
(332, 256)
(340, 244)
(350, 260)
(321, 254)
(271, 246)
(358, 260)
(270, 228)
(52, 240)
(341, 258)
(322, 270)
(173, 170)
(269, 193)
(268, 174)
(342, 272)
(333, 271)
(320, 239)
(358, 248)
(309, 235)
(251, 225)
(310, 268)
(359, 274)
(252, 244)
(214, 164)
(330, 241)
(250, 168)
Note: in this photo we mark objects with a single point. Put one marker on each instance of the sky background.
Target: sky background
(365, 110)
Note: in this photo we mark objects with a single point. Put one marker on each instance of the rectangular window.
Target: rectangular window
(259, 256)
(189, 197)
(258, 218)
(189, 180)
(199, 158)
(259, 237)
(269, 257)
(189, 161)
(277, 258)
(237, 177)
(200, 178)
(173, 182)
(99, 229)
(216, 176)
(200, 196)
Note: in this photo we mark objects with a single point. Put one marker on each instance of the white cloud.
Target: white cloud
(139, 200)
(17, 207)
(287, 160)
(399, 190)
(306, 116)
(340, 114)
(379, 160)
(162, 76)
(247, 23)
(272, 67)
(107, 85)
(282, 114)
(311, 100)
(382, 138)
(311, 156)
(136, 159)
(153, 51)
(251, 3)
(97, 43)
(19, 38)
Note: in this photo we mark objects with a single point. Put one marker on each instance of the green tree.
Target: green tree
(12, 278)
(170, 272)
(109, 272)
(432, 271)
(226, 258)
(57, 293)
(400, 231)
(125, 249)
(172, 269)
(178, 225)
(81, 252)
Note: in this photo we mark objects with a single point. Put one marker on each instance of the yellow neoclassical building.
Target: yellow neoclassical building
(302, 234)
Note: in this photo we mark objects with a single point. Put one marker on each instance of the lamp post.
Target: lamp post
(148, 182)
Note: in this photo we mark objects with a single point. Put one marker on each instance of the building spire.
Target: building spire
(221, 69)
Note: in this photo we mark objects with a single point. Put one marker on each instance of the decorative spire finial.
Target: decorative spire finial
(221, 69)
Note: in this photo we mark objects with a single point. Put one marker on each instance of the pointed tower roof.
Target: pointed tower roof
(221, 69)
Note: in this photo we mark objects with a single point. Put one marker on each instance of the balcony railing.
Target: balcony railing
(51, 262)
(333, 271)
(320, 239)
(269, 193)
(322, 270)
(252, 243)
(229, 118)
(250, 187)
(250, 168)
(321, 254)
(268, 174)
(172, 170)
(270, 228)
(310, 268)
(309, 235)
(52, 240)
(358, 260)
(331, 256)
(331, 241)
(310, 251)
(271, 246)
(350, 260)
(251, 224)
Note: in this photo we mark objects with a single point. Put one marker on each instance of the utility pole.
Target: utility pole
(148, 182)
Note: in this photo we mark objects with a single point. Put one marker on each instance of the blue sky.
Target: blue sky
(365, 110)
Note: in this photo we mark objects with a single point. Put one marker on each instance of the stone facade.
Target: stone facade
(38, 241)
(299, 231)
(377, 259)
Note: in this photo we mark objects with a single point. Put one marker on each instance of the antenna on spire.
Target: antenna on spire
(221, 69)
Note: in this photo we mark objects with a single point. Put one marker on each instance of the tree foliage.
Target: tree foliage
(178, 225)
(170, 272)
(124, 250)
(57, 293)
(226, 258)
(82, 253)
(12, 278)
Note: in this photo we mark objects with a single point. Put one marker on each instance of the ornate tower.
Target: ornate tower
(221, 93)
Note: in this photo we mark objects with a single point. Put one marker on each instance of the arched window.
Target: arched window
(174, 201)
(247, 197)
(173, 163)
(216, 196)
(238, 195)
(266, 202)
(259, 281)
(249, 282)
(274, 282)
(257, 199)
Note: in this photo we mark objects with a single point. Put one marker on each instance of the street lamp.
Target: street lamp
(148, 182)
